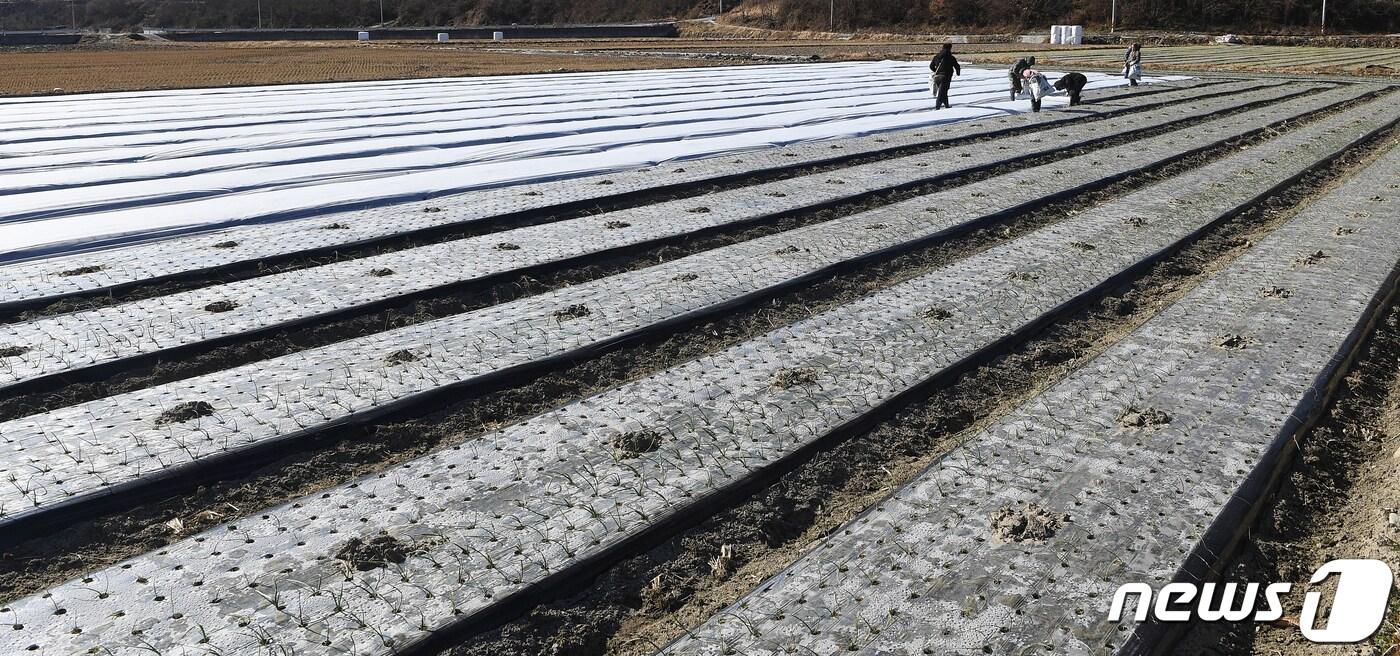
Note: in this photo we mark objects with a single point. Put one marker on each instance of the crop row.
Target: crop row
(152, 196)
(379, 563)
(89, 272)
(73, 455)
(74, 341)
(1139, 467)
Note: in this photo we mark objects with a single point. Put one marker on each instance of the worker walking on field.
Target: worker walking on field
(942, 69)
(1132, 64)
(1015, 73)
(1074, 84)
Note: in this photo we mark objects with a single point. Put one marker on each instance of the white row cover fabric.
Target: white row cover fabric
(84, 171)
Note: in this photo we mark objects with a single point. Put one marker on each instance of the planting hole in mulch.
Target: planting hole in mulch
(81, 271)
(226, 244)
(576, 311)
(1135, 221)
(380, 273)
(335, 226)
(401, 356)
(1028, 523)
(379, 551)
(8, 351)
(1343, 231)
(616, 225)
(1022, 276)
(699, 210)
(1135, 417)
(605, 182)
(787, 250)
(1311, 259)
(1275, 292)
(686, 277)
(1083, 246)
(877, 226)
(797, 377)
(776, 194)
(635, 443)
(507, 246)
(187, 411)
(220, 306)
(432, 210)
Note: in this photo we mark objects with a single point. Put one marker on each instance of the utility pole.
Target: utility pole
(73, 13)
(381, 12)
(1324, 16)
(833, 15)
(260, 14)
(1113, 16)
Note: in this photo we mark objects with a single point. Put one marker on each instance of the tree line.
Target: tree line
(1255, 16)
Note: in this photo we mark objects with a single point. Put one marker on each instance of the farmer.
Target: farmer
(1015, 73)
(1034, 83)
(1074, 84)
(1132, 64)
(943, 67)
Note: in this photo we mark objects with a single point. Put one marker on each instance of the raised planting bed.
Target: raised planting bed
(28, 285)
(444, 544)
(1139, 467)
(110, 448)
(102, 338)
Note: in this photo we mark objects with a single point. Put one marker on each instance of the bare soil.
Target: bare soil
(78, 69)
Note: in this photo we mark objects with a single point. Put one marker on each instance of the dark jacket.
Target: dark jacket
(1072, 82)
(1016, 68)
(944, 63)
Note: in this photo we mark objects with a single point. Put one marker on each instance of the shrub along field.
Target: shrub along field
(737, 360)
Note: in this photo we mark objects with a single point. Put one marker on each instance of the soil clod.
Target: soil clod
(1028, 523)
(186, 411)
(507, 246)
(1311, 259)
(936, 314)
(401, 356)
(381, 272)
(8, 351)
(616, 225)
(379, 551)
(699, 210)
(1275, 292)
(635, 443)
(576, 311)
(226, 244)
(796, 377)
(81, 271)
(1135, 417)
(335, 226)
(220, 306)
(1232, 342)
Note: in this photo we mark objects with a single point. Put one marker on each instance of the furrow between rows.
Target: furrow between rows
(494, 521)
(1143, 464)
(109, 449)
(107, 336)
